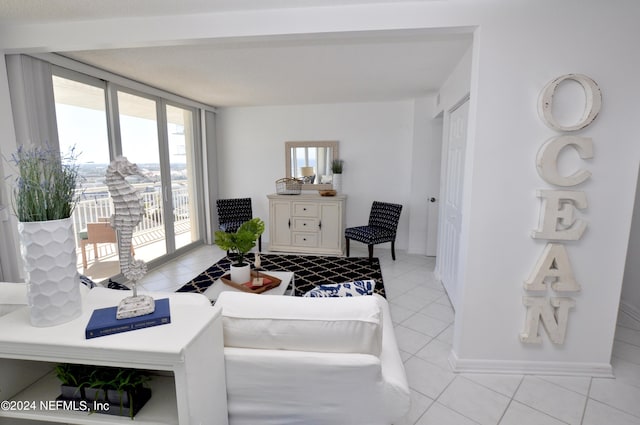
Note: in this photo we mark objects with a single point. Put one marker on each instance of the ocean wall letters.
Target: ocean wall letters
(551, 283)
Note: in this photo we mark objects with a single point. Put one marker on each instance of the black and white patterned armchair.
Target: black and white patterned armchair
(382, 227)
(232, 213)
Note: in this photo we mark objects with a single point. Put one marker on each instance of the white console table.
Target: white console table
(307, 223)
(188, 355)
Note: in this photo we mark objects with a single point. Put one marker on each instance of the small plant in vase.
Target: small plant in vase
(336, 169)
(239, 244)
(45, 188)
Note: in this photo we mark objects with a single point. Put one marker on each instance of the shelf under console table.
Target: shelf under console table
(307, 223)
(188, 355)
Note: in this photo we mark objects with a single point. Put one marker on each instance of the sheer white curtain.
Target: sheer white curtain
(34, 121)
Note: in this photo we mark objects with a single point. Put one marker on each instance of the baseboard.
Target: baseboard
(595, 370)
(631, 311)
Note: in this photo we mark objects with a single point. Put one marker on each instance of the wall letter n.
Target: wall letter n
(554, 313)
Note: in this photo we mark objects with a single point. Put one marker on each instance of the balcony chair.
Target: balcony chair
(96, 233)
(100, 232)
(232, 213)
(383, 223)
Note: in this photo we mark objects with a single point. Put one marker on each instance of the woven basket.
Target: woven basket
(288, 186)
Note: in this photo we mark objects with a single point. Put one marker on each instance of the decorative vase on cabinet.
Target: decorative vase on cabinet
(337, 182)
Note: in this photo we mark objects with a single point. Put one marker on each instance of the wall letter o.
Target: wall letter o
(592, 106)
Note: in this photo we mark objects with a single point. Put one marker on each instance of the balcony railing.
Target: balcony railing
(97, 206)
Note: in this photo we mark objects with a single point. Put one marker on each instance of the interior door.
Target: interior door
(451, 219)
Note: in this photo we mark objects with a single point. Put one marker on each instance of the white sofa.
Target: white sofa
(311, 361)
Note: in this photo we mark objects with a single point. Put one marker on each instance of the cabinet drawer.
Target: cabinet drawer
(305, 239)
(305, 209)
(305, 224)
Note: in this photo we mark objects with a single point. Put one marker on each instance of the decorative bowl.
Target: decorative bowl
(327, 192)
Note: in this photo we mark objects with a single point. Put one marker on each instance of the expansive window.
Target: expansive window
(82, 126)
(139, 138)
(156, 135)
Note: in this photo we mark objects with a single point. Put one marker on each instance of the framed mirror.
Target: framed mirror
(311, 162)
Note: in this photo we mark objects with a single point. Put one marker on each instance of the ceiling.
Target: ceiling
(308, 69)
(35, 11)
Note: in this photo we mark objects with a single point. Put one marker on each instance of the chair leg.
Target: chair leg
(370, 252)
(83, 246)
(347, 246)
(393, 250)
(260, 243)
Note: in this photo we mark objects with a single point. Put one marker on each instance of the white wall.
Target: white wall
(513, 60)
(457, 86)
(425, 173)
(375, 143)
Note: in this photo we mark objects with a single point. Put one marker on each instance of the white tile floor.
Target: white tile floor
(423, 321)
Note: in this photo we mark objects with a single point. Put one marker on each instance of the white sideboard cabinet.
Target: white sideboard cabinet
(307, 223)
(188, 355)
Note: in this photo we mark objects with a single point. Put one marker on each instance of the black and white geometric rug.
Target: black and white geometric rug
(309, 271)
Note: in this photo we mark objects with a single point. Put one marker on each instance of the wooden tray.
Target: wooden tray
(246, 287)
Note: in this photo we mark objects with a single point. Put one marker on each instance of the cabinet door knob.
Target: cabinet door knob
(320, 224)
(289, 223)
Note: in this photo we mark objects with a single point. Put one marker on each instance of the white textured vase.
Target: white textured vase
(48, 249)
(337, 182)
(241, 274)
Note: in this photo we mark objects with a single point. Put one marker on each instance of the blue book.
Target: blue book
(103, 320)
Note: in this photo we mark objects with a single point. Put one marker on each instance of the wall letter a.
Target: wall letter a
(553, 263)
(554, 313)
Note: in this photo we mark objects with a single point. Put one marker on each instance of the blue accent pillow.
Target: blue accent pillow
(112, 284)
(345, 289)
(87, 282)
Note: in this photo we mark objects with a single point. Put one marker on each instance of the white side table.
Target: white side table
(190, 390)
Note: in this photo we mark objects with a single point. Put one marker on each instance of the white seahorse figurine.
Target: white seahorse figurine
(128, 210)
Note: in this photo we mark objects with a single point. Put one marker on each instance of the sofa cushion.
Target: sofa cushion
(332, 325)
(346, 289)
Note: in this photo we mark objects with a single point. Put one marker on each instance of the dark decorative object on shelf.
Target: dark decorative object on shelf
(120, 391)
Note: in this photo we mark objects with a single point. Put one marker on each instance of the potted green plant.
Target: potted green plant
(71, 379)
(239, 244)
(336, 169)
(128, 389)
(123, 390)
(336, 166)
(98, 381)
(45, 195)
